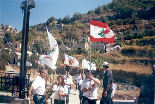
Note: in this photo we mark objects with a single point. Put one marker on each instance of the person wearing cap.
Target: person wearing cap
(89, 89)
(107, 85)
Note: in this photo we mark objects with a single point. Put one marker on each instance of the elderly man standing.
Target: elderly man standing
(107, 84)
(38, 87)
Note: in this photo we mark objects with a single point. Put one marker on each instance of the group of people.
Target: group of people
(86, 84)
(61, 87)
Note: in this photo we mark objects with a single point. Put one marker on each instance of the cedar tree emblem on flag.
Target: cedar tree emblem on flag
(100, 32)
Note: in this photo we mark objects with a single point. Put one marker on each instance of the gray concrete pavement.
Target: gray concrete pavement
(74, 94)
(9, 69)
(74, 99)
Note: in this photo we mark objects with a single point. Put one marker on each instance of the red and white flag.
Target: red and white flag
(37, 62)
(28, 63)
(51, 58)
(100, 31)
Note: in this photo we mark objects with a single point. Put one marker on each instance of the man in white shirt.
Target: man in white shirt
(77, 79)
(69, 83)
(80, 92)
(89, 89)
(38, 87)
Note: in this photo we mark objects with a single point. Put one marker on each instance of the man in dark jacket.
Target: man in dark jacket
(107, 85)
(147, 90)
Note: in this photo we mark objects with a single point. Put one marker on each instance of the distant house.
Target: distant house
(57, 26)
(80, 46)
(135, 32)
(84, 39)
(97, 45)
(63, 47)
(15, 51)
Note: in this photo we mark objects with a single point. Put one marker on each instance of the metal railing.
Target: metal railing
(9, 83)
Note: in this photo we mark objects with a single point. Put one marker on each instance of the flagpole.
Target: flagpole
(82, 66)
(90, 57)
(65, 64)
(90, 66)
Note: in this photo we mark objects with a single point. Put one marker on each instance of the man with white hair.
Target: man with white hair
(107, 85)
(38, 87)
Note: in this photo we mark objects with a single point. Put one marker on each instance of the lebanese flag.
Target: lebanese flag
(100, 31)
(37, 62)
(51, 58)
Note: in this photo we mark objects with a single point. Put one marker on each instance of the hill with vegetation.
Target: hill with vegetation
(122, 16)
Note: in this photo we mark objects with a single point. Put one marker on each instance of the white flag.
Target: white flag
(28, 63)
(51, 58)
(86, 65)
(93, 66)
(71, 61)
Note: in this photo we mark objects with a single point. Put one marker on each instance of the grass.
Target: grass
(132, 67)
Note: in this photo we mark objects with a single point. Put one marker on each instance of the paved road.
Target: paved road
(74, 99)
(74, 94)
(11, 70)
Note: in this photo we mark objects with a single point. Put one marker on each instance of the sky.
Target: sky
(11, 14)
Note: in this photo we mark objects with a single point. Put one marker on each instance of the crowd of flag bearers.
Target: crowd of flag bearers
(86, 84)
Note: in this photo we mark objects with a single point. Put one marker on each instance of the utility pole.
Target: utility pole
(25, 6)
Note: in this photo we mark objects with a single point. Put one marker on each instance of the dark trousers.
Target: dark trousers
(77, 85)
(38, 99)
(106, 100)
(56, 101)
(80, 95)
(85, 100)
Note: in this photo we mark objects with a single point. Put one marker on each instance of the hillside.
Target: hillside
(132, 21)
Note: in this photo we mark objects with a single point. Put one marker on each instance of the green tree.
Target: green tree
(6, 56)
(18, 37)
(8, 37)
(4, 59)
(90, 12)
(59, 21)
(2, 64)
(32, 59)
(105, 19)
(51, 19)
(40, 47)
(66, 20)
(1, 43)
(98, 10)
(76, 16)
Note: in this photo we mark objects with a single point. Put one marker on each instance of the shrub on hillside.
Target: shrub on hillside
(129, 77)
(128, 51)
(2, 64)
(136, 51)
